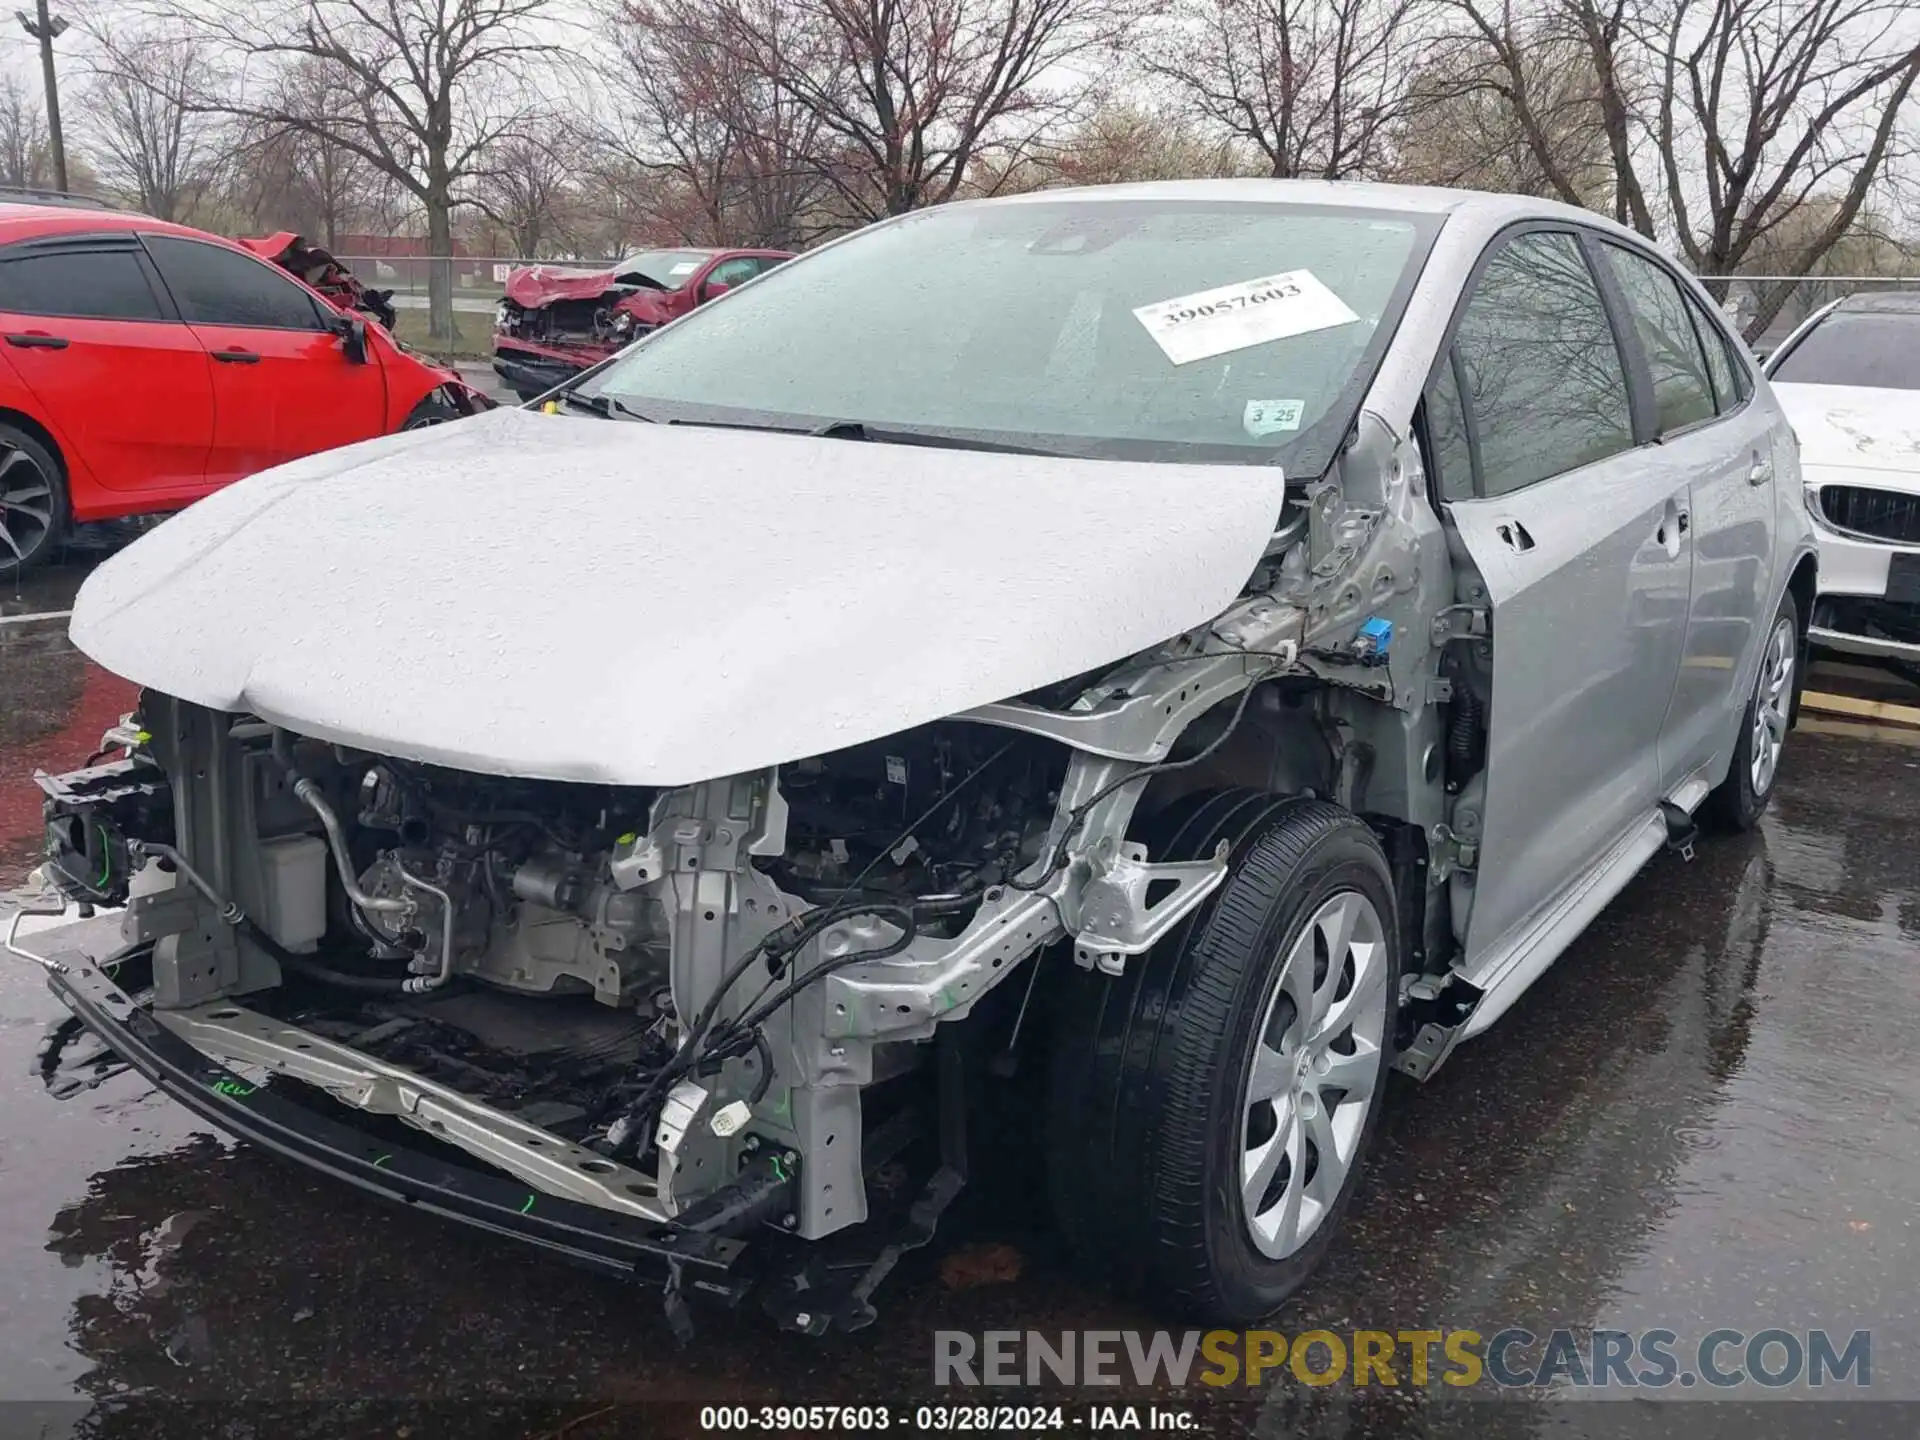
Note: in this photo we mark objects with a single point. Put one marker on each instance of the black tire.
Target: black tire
(33, 502)
(1146, 1097)
(1737, 803)
(436, 409)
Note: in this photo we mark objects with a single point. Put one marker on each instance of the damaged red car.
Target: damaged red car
(313, 264)
(146, 365)
(557, 320)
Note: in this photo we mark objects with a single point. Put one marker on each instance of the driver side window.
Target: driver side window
(215, 286)
(736, 271)
(1534, 376)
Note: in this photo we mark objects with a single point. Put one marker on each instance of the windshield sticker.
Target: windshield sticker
(1269, 417)
(685, 267)
(1234, 317)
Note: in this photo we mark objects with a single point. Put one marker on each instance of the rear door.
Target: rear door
(283, 386)
(1573, 527)
(1706, 427)
(123, 383)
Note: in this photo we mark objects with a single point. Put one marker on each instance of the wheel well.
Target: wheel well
(1803, 585)
(20, 420)
(1280, 747)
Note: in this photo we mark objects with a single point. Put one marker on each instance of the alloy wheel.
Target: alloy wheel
(1309, 1085)
(1772, 705)
(26, 508)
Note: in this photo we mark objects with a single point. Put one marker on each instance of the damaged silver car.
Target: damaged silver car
(1138, 663)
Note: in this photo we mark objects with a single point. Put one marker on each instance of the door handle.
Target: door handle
(236, 357)
(34, 340)
(1513, 535)
(1761, 471)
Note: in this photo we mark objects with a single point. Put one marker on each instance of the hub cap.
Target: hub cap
(26, 508)
(1310, 1084)
(1772, 700)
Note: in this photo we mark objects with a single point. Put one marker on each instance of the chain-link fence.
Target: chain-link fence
(478, 280)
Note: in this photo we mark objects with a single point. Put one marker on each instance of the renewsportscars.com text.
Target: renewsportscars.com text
(1509, 1358)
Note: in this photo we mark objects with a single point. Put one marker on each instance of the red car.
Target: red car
(145, 365)
(556, 321)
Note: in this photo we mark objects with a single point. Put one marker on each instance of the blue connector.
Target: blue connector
(1370, 644)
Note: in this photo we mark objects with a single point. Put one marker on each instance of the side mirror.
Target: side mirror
(713, 289)
(352, 330)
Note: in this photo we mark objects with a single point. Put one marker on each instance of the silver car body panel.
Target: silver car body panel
(649, 604)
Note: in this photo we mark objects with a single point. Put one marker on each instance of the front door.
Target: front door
(123, 385)
(283, 385)
(1708, 426)
(1576, 533)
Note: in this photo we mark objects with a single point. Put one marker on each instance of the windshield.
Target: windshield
(1856, 347)
(669, 269)
(1156, 330)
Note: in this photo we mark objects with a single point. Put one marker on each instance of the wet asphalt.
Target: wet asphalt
(1707, 1114)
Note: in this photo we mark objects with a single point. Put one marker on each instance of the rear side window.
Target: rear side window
(84, 284)
(1730, 384)
(216, 286)
(1682, 388)
(1541, 376)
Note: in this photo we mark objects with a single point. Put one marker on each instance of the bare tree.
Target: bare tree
(1459, 125)
(523, 184)
(1315, 86)
(151, 143)
(1724, 118)
(701, 114)
(26, 153)
(287, 177)
(907, 95)
(421, 90)
(1117, 144)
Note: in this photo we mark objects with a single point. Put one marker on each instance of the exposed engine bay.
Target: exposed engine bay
(600, 322)
(725, 1005)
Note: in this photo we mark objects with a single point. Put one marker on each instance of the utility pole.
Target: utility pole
(46, 30)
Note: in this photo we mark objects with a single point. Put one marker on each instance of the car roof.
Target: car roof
(1882, 302)
(30, 221)
(1485, 206)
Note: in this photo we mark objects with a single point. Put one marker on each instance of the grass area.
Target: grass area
(473, 335)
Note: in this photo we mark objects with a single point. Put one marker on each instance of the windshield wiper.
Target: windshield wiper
(932, 439)
(605, 406)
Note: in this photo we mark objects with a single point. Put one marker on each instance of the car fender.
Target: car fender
(412, 379)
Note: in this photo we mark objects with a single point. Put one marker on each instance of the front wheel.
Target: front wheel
(436, 409)
(1742, 797)
(1210, 1110)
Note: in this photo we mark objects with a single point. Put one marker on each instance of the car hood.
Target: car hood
(539, 285)
(1854, 426)
(577, 599)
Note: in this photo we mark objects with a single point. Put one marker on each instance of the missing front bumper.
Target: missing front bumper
(629, 1244)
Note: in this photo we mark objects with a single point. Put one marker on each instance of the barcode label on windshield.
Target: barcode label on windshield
(1234, 317)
